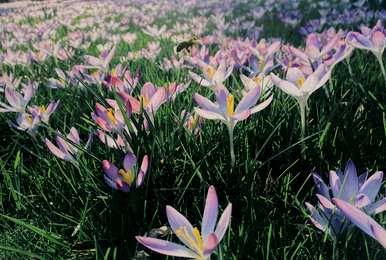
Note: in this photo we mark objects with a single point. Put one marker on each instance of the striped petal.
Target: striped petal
(166, 248)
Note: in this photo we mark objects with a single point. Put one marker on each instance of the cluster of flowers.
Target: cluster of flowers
(305, 70)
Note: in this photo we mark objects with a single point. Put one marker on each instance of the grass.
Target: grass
(54, 210)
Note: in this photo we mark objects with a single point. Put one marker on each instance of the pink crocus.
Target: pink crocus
(373, 40)
(213, 77)
(27, 122)
(192, 122)
(223, 109)
(101, 62)
(301, 86)
(150, 100)
(111, 119)
(44, 113)
(60, 82)
(123, 179)
(65, 150)
(17, 102)
(198, 245)
(362, 220)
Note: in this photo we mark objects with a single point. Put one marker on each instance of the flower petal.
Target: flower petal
(209, 218)
(372, 185)
(211, 244)
(223, 223)
(179, 223)
(362, 221)
(248, 100)
(286, 86)
(129, 161)
(208, 114)
(166, 247)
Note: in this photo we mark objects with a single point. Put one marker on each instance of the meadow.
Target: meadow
(262, 122)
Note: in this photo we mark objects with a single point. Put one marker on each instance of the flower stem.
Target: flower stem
(231, 146)
(349, 66)
(302, 106)
(382, 67)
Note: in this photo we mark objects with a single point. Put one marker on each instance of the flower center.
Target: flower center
(300, 81)
(261, 64)
(144, 100)
(256, 79)
(127, 176)
(29, 119)
(194, 242)
(230, 105)
(210, 71)
(111, 116)
(42, 109)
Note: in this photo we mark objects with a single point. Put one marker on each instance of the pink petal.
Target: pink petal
(166, 247)
(129, 161)
(209, 218)
(223, 223)
(211, 244)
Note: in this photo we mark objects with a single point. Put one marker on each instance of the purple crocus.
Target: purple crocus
(362, 221)
(301, 86)
(123, 179)
(213, 77)
(359, 191)
(223, 110)
(17, 102)
(373, 40)
(27, 122)
(65, 149)
(44, 113)
(102, 62)
(199, 245)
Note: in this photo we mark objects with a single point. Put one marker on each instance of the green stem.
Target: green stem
(303, 118)
(349, 66)
(382, 67)
(302, 106)
(231, 146)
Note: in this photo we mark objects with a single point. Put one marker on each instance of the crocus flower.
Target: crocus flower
(359, 191)
(111, 119)
(199, 245)
(65, 149)
(58, 83)
(150, 100)
(123, 179)
(262, 60)
(301, 86)
(192, 122)
(212, 77)
(223, 109)
(16, 101)
(373, 40)
(101, 62)
(262, 81)
(27, 122)
(44, 113)
(362, 221)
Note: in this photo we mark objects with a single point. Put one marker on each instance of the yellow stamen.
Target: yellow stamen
(111, 116)
(127, 176)
(42, 109)
(210, 71)
(113, 73)
(300, 81)
(144, 100)
(195, 243)
(256, 79)
(29, 119)
(230, 105)
(261, 64)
